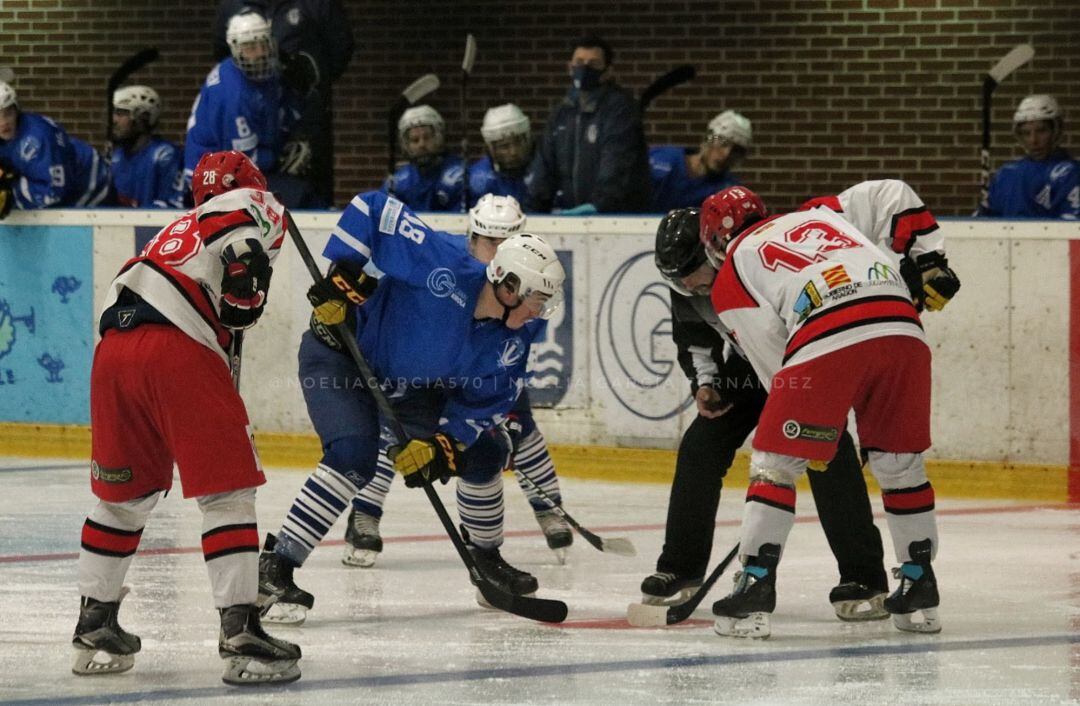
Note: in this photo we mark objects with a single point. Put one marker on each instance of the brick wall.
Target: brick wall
(839, 90)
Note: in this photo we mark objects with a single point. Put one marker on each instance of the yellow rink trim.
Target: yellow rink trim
(970, 479)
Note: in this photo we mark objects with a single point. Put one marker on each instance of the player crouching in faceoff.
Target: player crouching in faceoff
(448, 337)
(160, 391)
(830, 325)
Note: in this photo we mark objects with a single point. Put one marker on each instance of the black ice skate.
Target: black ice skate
(101, 645)
(251, 656)
(855, 602)
(503, 576)
(280, 600)
(556, 532)
(917, 592)
(362, 541)
(745, 613)
(668, 589)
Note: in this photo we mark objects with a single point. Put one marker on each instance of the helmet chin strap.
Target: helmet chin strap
(508, 309)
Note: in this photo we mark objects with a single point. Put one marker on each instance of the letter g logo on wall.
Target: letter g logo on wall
(441, 282)
(633, 341)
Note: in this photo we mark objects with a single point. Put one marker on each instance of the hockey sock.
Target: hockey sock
(110, 537)
(911, 518)
(322, 499)
(372, 497)
(768, 516)
(230, 544)
(534, 462)
(480, 506)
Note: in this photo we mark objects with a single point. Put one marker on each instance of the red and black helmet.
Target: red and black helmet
(218, 172)
(724, 215)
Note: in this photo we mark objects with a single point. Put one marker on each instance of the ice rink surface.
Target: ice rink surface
(409, 630)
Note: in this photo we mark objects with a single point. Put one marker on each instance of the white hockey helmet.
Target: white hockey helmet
(252, 46)
(140, 101)
(421, 116)
(1037, 107)
(8, 97)
(527, 262)
(504, 121)
(496, 216)
(733, 127)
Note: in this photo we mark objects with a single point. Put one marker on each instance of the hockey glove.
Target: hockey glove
(332, 295)
(295, 158)
(430, 460)
(514, 429)
(939, 282)
(245, 283)
(299, 72)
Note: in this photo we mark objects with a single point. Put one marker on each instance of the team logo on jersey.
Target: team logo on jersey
(809, 432)
(442, 283)
(512, 351)
(836, 276)
(809, 299)
(882, 271)
(163, 153)
(1060, 170)
(29, 148)
(109, 475)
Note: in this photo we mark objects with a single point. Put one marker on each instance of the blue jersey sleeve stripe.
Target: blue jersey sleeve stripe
(351, 241)
(360, 205)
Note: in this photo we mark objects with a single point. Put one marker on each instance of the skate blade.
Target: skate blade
(929, 624)
(247, 671)
(91, 661)
(483, 603)
(560, 555)
(678, 598)
(641, 615)
(755, 626)
(363, 558)
(285, 614)
(858, 611)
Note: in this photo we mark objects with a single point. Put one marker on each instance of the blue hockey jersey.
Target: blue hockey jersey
(1026, 188)
(418, 329)
(151, 177)
(672, 185)
(483, 179)
(437, 190)
(232, 112)
(54, 168)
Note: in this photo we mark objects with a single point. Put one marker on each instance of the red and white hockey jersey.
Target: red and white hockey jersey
(797, 286)
(179, 272)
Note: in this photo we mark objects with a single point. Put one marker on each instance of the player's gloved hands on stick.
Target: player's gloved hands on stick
(244, 284)
(939, 283)
(331, 296)
(432, 459)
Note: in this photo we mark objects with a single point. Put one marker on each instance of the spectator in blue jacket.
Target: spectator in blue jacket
(684, 177)
(592, 157)
(508, 138)
(1045, 183)
(41, 166)
(147, 170)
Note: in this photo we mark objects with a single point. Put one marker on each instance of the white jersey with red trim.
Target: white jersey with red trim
(800, 285)
(179, 272)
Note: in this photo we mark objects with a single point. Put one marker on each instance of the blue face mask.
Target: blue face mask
(585, 77)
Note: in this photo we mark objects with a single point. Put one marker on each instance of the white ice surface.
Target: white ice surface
(409, 630)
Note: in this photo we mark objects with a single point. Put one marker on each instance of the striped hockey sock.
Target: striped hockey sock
(322, 499)
(110, 538)
(480, 507)
(534, 462)
(372, 497)
(768, 516)
(911, 518)
(230, 544)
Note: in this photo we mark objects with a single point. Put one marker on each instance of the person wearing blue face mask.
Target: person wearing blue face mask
(592, 157)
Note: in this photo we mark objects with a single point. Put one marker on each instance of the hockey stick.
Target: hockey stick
(134, 63)
(412, 93)
(676, 77)
(541, 609)
(1017, 57)
(653, 616)
(236, 351)
(615, 545)
(466, 71)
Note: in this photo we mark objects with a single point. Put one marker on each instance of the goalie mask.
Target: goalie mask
(252, 46)
(527, 266)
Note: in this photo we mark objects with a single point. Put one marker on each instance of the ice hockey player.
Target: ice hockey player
(451, 392)
(160, 391)
(491, 221)
(729, 399)
(508, 139)
(829, 325)
(147, 170)
(41, 166)
(432, 179)
(1045, 183)
(684, 177)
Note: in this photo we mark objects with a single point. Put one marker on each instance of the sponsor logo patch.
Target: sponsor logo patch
(809, 432)
(391, 213)
(836, 276)
(808, 300)
(109, 475)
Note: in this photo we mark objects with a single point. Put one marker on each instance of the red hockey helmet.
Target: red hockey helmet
(218, 172)
(724, 215)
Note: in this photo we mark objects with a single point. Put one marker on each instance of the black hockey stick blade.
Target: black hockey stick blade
(653, 616)
(540, 609)
(677, 76)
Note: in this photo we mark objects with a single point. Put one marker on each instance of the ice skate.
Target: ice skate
(917, 592)
(854, 602)
(665, 588)
(556, 531)
(101, 645)
(501, 574)
(746, 612)
(251, 656)
(280, 600)
(362, 541)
